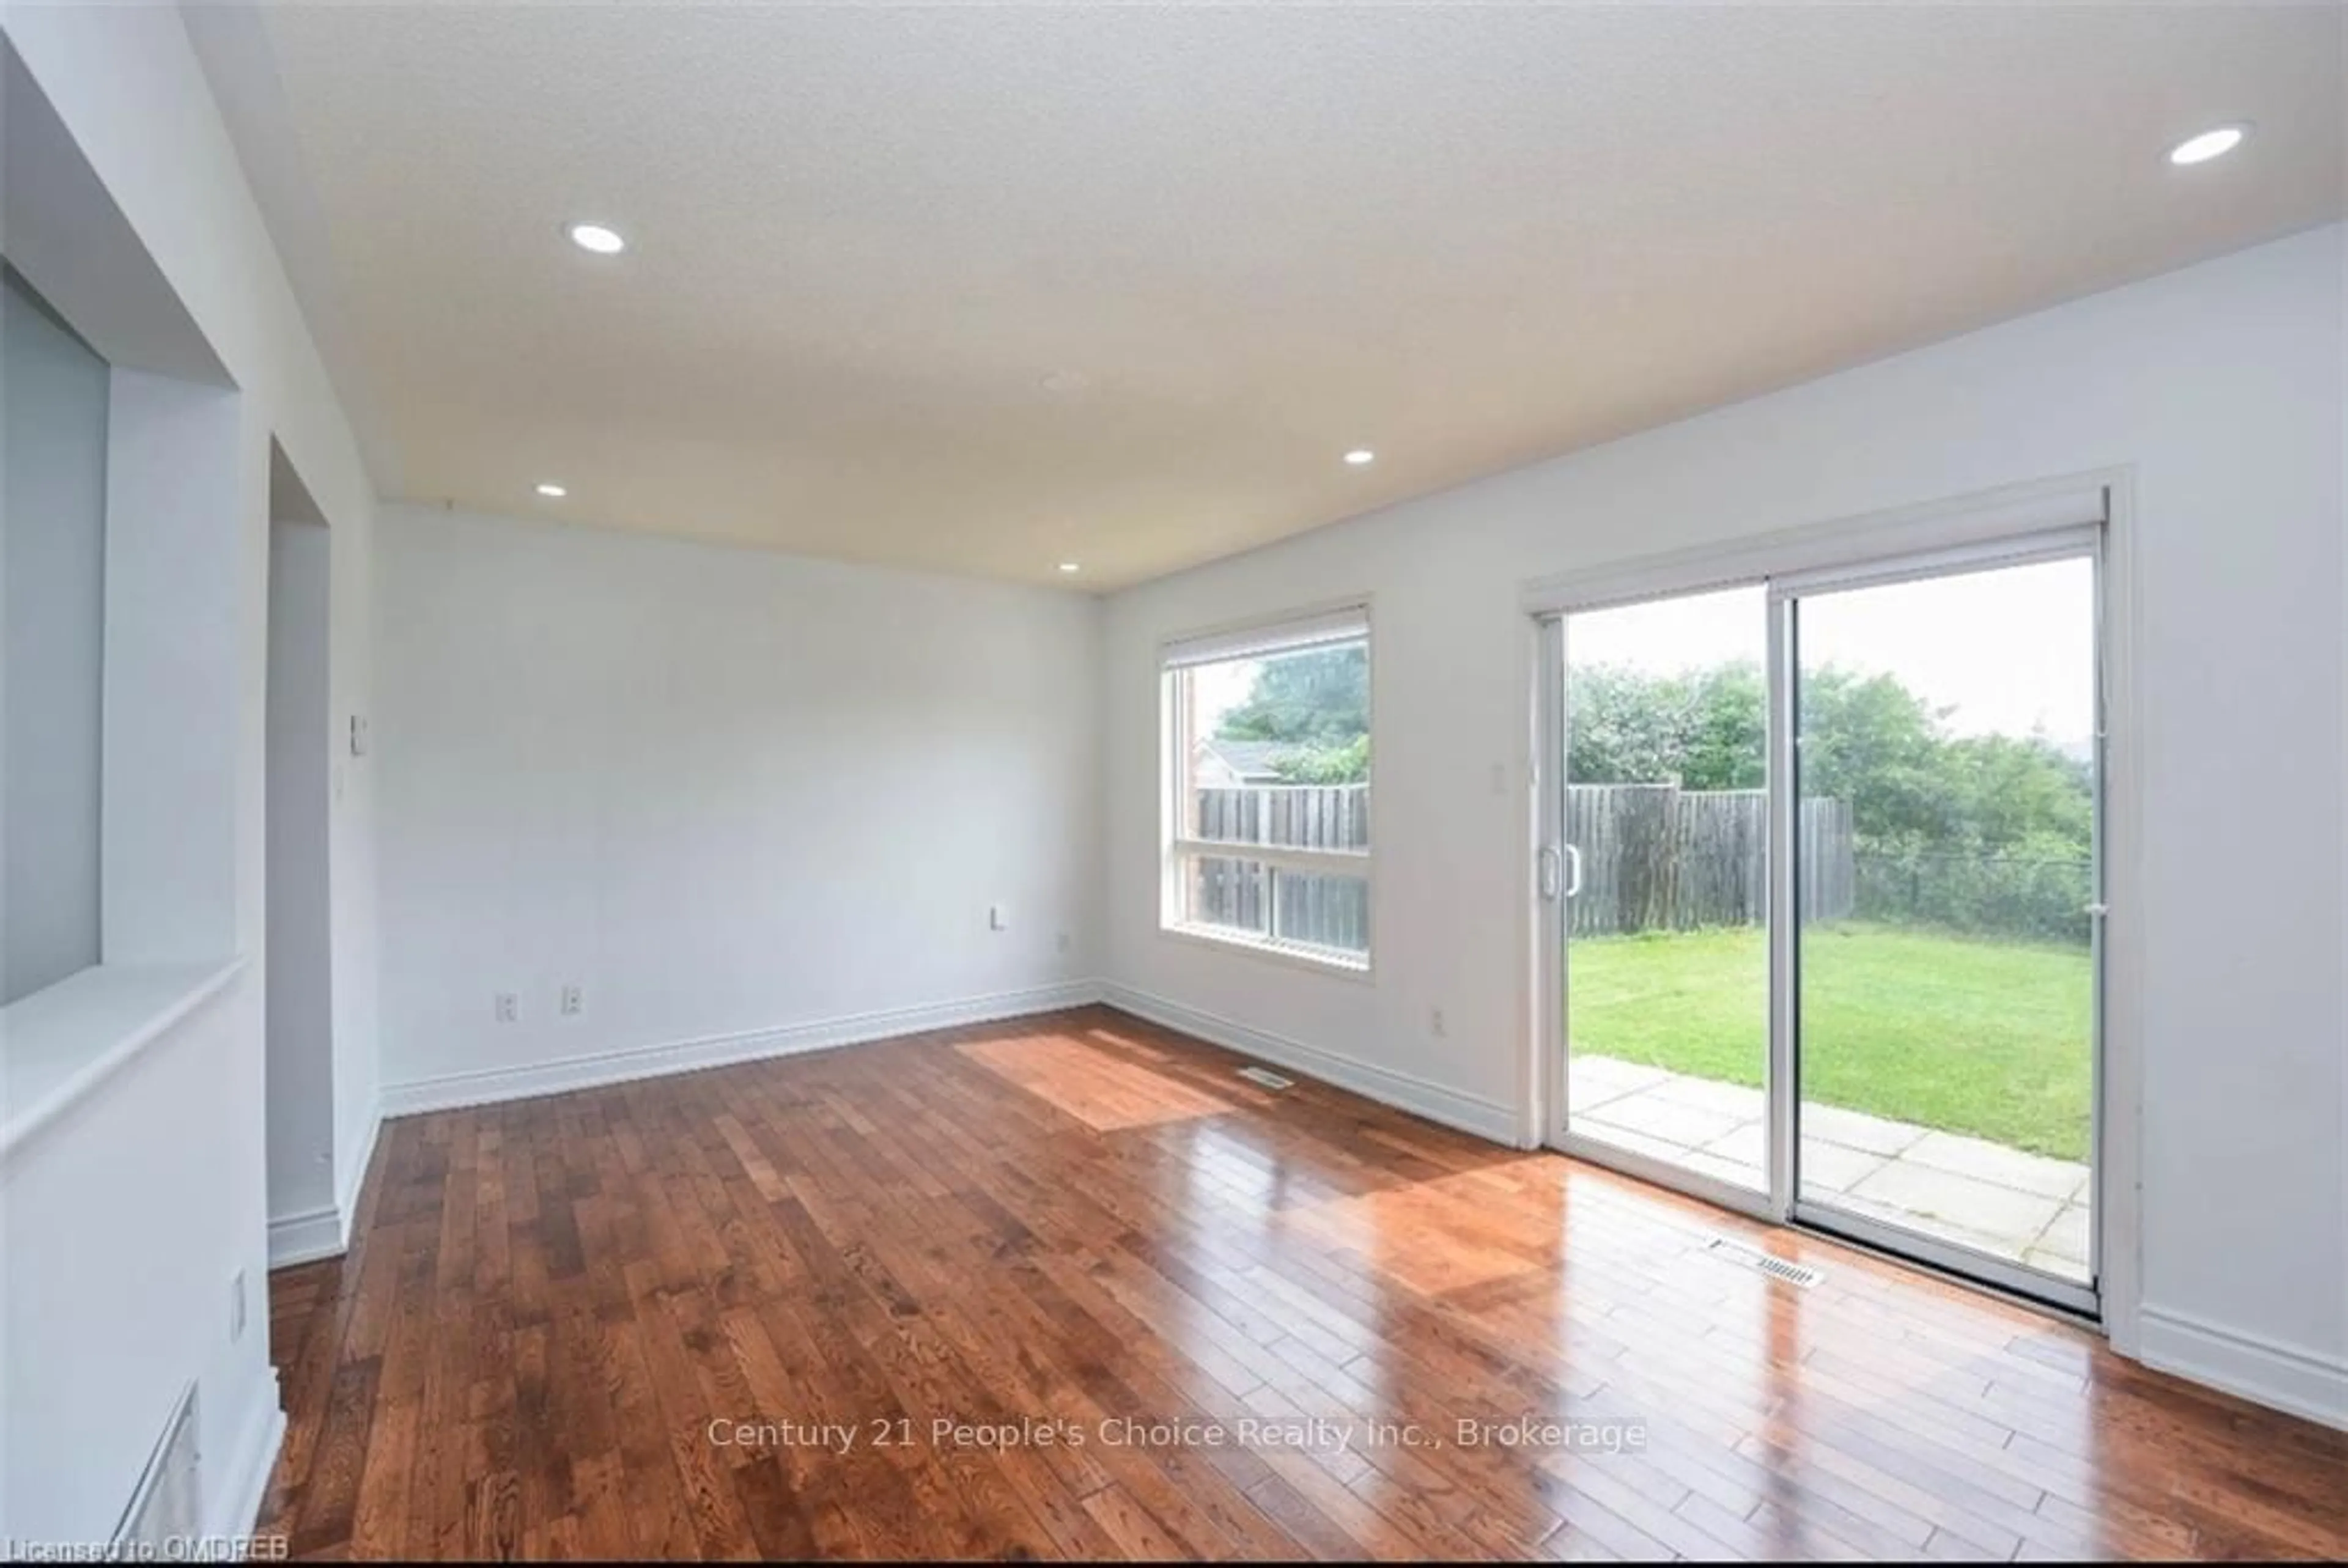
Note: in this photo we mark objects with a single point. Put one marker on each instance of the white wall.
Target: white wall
(300, 1008)
(124, 1225)
(2221, 386)
(350, 789)
(727, 792)
(179, 492)
(128, 1218)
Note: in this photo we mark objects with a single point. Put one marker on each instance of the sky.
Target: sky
(2012, 652)
(1220, 688)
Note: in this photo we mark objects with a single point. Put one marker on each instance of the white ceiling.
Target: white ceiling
(863, 240)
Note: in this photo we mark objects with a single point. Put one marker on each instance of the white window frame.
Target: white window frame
(1180, 848)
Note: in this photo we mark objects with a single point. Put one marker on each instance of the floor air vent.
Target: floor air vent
(1754, 1258)
(1267, 1078)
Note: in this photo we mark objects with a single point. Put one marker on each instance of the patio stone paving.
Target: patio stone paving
(2005, 1201)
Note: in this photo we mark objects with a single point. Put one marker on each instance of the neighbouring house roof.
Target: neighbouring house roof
(1249, 761)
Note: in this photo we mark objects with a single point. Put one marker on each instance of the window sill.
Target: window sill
(1319, 960)
(59, 1044)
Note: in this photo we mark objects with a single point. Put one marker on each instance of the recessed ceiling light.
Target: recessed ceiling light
(1361, 455)
(1065, 382)
(596, 238)
(1069, 566)
(2209, 144)
(552, 492)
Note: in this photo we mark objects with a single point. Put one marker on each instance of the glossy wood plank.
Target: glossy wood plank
(1088, 1226)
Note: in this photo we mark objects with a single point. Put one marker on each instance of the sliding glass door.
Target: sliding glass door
(1664, 865)
(1944, 959)
(1820, 858)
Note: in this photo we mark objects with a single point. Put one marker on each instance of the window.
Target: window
(1268, 762)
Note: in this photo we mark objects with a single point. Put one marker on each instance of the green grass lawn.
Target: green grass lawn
(1978, 1037)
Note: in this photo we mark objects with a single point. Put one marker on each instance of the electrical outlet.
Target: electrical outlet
(236, 1306)
(509, 1007)
(574, 1001)
(1435, 1025)
(1062, 942)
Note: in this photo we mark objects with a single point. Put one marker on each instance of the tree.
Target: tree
(1348, 764)
(1727, 728)
(1975, 833)
(1621, 728)
(1913, 786)
(1870, 741)
(2014, 793)
(1866, 739)
(1704, 730)
(1319, 700)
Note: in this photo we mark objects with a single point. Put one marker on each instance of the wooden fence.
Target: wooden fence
(1653, 858)
(1325, 911)
(1656, 857)
(1288, 816)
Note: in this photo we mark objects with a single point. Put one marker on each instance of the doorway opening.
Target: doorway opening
(298, 958)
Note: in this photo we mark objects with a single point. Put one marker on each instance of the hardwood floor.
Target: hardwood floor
(603, 1323)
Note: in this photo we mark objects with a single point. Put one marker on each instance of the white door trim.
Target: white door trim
(2041, 506)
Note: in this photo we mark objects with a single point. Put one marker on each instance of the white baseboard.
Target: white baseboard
(346, 1201)
(246, 1484)
(325, 1231)
(492, 1085)
(2286, 1376)
(1485, 1118)
(306, 1237)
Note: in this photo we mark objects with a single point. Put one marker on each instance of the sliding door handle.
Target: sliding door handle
(1572, 871)
(1548, 865)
